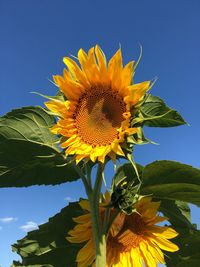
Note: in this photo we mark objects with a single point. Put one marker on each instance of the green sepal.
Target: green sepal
(125, 187)
(155, 113)
(29, 152)
(126, 172)
(48, 245)
(59, 96)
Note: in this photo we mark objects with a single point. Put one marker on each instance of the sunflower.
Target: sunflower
(100, 98)
(133, 240)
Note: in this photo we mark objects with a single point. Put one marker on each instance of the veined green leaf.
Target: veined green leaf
(155, 113)
(29, 154)
(48, 246)
(172, 180)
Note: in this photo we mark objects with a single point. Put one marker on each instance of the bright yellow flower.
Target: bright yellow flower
(95, 118)
(133, 240)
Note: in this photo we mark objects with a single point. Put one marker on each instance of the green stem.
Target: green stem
(88, 172)
(100, 241)
(87, 186)
(101, 255)
(94, 218)
(97, 192)
(93, 197)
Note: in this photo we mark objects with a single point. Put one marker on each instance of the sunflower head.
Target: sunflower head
(100, 100)
(132, 241)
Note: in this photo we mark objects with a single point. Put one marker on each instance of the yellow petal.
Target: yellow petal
(127, 74)
(131, 131)
(83, 148)
(56, 106)
(164, 244)
(147, 256)
(107, 197)
(115, 63)
(86, 255)
(137, 91)
(142, 205)
(149, 210)
(58, 80)
(155, 220)
(156, 252)
(56, 129)
(102, 63)
(115, 69)
(72, 89)
(66, 75)
(84, 204)
(71, 141)
(83, 218)
(136, 257)
(162, 231)
(104, 153)
(82, 57)
(124, 260)
(80, 157)
(117, 224)
(78, 237)
(91, 69)
(76, 71)
(117, 149)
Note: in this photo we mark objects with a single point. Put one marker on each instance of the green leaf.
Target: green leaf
(29, 154)
(188, 254)
(155, 113)
(178, 213)
(188, 240)
(48, 246)
(172, 183)
(17, 263)
(172, 180)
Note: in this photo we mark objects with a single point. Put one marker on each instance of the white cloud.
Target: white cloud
(69, 199)
(8, 219)
(29, 226)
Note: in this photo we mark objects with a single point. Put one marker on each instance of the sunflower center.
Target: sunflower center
(133, 232)
(135, 223)
(98, 115)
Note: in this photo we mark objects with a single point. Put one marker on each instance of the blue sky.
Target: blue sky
(35, 36)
